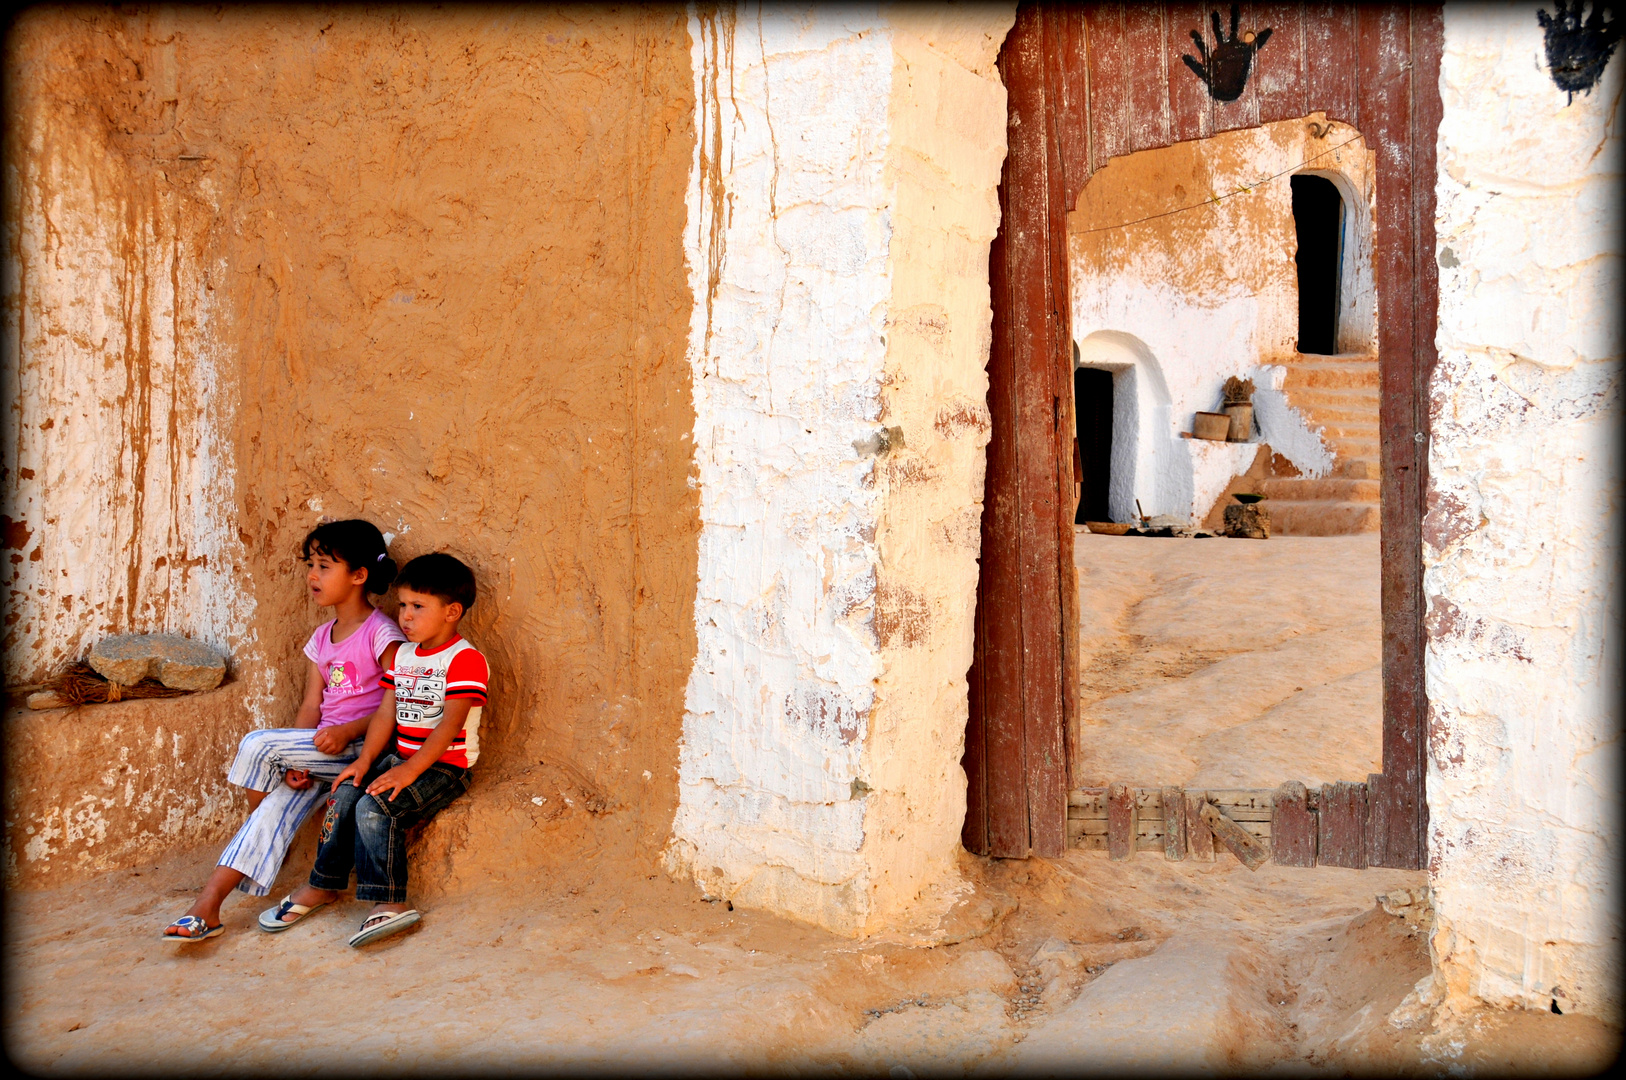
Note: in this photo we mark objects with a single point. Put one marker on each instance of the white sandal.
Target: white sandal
(272, 921)
(384, 924)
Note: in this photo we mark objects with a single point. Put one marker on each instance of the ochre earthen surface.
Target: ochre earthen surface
(422, 266)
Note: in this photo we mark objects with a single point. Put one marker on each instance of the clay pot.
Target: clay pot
(1213, 426)
(1241, 414)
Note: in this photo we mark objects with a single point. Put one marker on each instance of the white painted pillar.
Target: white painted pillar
(842, 204)
(1522, 536)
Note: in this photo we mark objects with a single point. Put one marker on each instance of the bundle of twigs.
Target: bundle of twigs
(1238, 391)
(78, 684)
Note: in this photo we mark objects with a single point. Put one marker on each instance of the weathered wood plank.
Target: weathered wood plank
(1330, 66)
(1070, 44)
(1405, 816)
(1243, 844)
(1147, 75)
(1278, 68)
(1386, 74)
(1341, 837)
(1293, 829)
(1087, 798)
(1244, 803)
(1056, 736)
(994, 758)
(1109, 83)
(1174, 824)
(1191, 115)
(1123, 821)
(1199, 837)
(1377, 819)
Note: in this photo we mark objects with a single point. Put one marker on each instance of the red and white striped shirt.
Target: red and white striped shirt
(423, 681)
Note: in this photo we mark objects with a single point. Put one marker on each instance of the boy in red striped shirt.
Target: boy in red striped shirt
(433, 696)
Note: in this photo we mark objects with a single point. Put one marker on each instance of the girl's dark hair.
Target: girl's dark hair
(356, 543)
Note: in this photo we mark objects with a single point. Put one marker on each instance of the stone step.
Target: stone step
(1335, 397)
(1354, 449)
(1331, 374)
(1358, 468)
(1349, 430)
(1329, 489)
(1322, 518)
(1321, 415)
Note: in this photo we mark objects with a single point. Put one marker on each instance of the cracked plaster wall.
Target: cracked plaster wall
(119, 469)
(842, 204)
(420, 265)
(1522, 534)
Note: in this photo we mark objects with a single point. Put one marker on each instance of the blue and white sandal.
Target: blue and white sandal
(192, 928)
(383, 925)
(272, 921)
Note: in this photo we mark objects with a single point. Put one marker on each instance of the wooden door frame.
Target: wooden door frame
(1084, 85)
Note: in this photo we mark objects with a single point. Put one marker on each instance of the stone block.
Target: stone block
(1251, 522)
(177, 662)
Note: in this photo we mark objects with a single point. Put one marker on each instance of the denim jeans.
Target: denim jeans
(369, 834)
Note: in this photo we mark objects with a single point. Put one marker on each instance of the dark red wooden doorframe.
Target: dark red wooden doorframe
(1086, 84)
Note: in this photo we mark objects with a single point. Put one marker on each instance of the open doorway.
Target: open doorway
(1092, 407)
(1228, 649)
(1089, 89)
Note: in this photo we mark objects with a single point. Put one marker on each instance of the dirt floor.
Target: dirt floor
(581, 955)
(1229, 663)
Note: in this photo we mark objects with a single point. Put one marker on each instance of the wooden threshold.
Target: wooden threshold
(1334, 825)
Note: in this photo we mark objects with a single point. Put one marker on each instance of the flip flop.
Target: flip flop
(383, 925)
(272, 921)
(192, 928)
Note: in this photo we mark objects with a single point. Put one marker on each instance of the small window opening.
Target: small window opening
(1092, 405)
(1318, 219)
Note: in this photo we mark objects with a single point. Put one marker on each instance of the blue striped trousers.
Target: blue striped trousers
(260, 846)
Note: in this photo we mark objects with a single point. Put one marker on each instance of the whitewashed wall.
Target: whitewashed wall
(842, 206)
(118, 479)
(1522, 538)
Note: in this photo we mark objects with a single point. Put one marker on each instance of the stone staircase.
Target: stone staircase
(1338, 395)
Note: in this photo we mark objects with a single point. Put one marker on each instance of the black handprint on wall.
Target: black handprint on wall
(1225, 70)
(1577, 52)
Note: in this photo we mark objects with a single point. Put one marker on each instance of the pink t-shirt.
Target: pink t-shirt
(351, 667)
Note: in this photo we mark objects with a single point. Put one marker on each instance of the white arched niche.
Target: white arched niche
(1141, 424)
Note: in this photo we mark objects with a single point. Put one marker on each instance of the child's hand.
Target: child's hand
(298, 779)
(329, 740)
(391, 781)
(353, 772)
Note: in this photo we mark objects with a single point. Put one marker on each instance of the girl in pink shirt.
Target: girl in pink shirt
(280, 767)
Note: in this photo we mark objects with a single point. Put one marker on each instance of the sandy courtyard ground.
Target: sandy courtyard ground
(1208, 663)
(1229, 663)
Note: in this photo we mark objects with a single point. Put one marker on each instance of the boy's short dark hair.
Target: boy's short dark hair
(441, 576)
